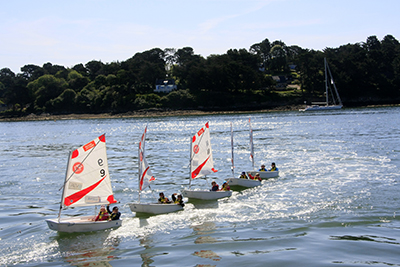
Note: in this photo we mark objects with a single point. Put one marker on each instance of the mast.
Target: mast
(334, 85)
(62, 194)
(232, 159)
(326, 83)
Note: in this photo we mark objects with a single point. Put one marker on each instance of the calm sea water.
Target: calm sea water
(336, 202)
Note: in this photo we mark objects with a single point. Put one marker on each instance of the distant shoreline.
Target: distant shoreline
(149, 113)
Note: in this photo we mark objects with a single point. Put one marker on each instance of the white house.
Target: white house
(165, 85)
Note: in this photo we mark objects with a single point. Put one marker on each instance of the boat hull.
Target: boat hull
(321, 108)
(154, 208)
(206, 195)
(265, 174)
(81, 224)
(243, 182)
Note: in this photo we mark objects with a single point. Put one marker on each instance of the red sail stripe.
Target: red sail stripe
(79, 195)
(141, 179)
(198, 169)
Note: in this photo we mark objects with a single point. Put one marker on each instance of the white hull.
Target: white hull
(243, 182)
(154, 208)
(206, 195)
(321, 108)
(81, 224)
(265, 174)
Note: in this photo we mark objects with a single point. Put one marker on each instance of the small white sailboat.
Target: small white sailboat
(335, 102)
(87, 183)
(145, 178)
(239, 181)
(263, 174)
(202, 164)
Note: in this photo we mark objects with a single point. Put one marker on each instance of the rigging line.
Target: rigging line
(152, 193)
(74, 170)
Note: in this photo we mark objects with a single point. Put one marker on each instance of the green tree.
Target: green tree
(46, 88)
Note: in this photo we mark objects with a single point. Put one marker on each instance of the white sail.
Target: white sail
(251, 144)
(145, 175)
(87, 178)
(201, 163)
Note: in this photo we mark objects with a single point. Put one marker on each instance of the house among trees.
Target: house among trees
(165, 85)
(281, 82)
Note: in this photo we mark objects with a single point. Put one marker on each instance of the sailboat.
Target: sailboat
(145, 178)
(263, 174)
(87, 183)
(202, 164)
(335, 102)
(239, 181)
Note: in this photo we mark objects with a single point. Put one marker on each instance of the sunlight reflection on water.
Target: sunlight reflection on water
(338, 184)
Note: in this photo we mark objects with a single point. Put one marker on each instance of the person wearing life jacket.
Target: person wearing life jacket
(225, 187)
(215, 186)
(163, 199)
(103, 214)
(256, 177)
(273, 167)
(114, 214)
(243, 176)
(262, 169)
(177, 200)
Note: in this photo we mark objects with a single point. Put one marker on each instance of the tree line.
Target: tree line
(366, 72)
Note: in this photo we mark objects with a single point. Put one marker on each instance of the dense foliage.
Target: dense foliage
(367, 72)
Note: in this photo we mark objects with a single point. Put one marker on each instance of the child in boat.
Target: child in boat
(225, 187)
(103, 214)
(115, 214)
(243, 176)
(215, 186)
(257, 177)
(262, 169)
(273, 167)
(177, 200)
(163, 199)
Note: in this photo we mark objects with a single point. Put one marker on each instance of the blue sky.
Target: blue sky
(71, 32)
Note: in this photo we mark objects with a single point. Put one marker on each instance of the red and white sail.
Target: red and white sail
(201, 159)
(145, 175)
(87, 180)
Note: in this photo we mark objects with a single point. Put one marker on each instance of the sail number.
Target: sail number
(102, 171)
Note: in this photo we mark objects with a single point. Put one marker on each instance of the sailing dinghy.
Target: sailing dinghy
(145, 178)
(87, 183)
(202, 164)
(263, 174)
(239, 181)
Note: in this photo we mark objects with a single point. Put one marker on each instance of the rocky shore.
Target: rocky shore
(137, 114)
(149, 113)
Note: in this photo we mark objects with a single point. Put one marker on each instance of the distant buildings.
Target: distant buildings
(165, 85)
